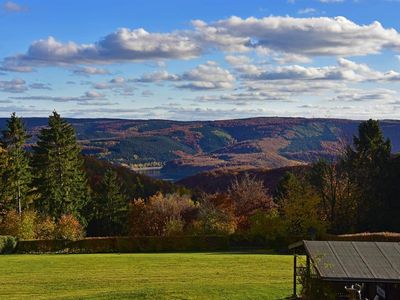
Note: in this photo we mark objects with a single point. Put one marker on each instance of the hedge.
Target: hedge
(7, 244)
(126, 244)
(365, 237)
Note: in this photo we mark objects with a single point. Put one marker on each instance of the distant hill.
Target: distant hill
(187, 148)
(220, 180)
(134, 185)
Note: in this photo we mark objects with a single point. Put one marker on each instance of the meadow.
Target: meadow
(146, 276)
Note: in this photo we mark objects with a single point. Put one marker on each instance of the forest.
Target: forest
(49, 190)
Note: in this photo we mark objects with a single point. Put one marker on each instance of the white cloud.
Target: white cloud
(236, 60)
(285, 37)
(345, 70)
(204, 77)
(87, 96)
(147, 93)
(13, 7)
(88, 70)
(119, 85)
(321, 36)
(16, 85)
(122, 45)
(158, 76)
(40, 86)
(359, 95)
(285, 58)
(307, 11)
(207, 76)
(246, 97)
(242, 64)
(119, 80)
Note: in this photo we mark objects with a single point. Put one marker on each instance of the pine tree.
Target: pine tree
(16, 170)
(111, 206)
(3, 164)
(59, 175)
(367, 163)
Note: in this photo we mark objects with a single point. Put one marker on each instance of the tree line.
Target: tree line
(47, 190)
(48, 186)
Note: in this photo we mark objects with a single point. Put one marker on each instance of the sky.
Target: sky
(200, 59)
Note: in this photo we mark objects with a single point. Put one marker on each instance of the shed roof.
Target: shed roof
(355, 261)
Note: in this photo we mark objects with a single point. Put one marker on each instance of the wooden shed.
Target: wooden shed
(348, 270)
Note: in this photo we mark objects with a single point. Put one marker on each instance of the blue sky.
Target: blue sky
(199, 60)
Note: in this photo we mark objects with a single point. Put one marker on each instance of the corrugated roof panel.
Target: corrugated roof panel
(375, 260)
(350, 260)
(344, 260)
(324, 259)
(392, 253)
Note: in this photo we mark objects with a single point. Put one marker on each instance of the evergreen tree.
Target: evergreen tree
(59, 175)
(110, 207)
(16, 170)
(367, 164)
(3, 164)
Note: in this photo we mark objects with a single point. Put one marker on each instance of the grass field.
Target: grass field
(146, 276)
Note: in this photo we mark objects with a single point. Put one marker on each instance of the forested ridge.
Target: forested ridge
(49, 190)
(186, 148)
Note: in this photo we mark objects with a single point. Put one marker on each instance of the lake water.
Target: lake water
(157, 173)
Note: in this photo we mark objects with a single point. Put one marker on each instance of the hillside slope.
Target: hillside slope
(187, 148)
(220, 180)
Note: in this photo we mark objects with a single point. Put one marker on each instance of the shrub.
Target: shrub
(7, 244)
(45, 228)
(27, 226)
(153, 216)
(269, 225)
(174, 227)
(10, 224)
(69, 228)
(127, 244)
(22, 227)
(215, 216)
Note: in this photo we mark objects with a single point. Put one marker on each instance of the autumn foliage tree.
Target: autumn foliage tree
(154, 216)
(300, 207)
(248, 196)
(339, 195)
(216, 215)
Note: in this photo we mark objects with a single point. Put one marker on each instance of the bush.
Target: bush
(269, 225)
(41, 246)
(127, 244)
(69, 228)
(45, 228)
(22, 227)
(7, 244)
(151, 217)
(174, 227)
(10, 224)
(215, 216)
(27, 226)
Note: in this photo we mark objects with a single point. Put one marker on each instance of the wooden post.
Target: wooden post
(294, 275)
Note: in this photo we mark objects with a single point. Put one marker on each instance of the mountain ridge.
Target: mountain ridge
(185, 148)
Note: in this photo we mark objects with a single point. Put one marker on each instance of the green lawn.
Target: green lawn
(146, 276)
